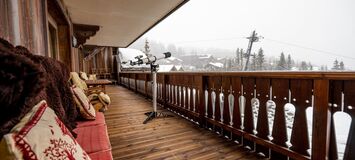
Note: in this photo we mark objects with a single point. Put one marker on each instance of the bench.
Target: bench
(93, 138)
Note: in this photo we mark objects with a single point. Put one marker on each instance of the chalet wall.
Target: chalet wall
(22, 23)
(25, 23)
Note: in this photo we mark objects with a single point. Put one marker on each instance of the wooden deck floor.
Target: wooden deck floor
(166, 138)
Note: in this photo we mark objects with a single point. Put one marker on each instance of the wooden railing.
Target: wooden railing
(242, 106)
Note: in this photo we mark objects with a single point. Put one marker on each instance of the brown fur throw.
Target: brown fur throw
(56, 90)
(21, 81)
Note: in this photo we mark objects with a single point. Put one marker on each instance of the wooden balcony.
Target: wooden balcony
(166, 138)
(237, 105)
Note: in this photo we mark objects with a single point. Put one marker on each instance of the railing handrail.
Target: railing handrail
(331, 75)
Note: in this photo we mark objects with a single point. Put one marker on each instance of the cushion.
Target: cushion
(74, 77)
(102, 155)
(86, 109)
(40, 135)
(104, 98)
(84, 76)
(100, 120)
(92, 77)
(93, 138)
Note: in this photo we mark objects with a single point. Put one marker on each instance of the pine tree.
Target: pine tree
(289, 62)
(341, 66)
(253, 62)
(303, 65)
(237, 57)
(336, 65)
(310, 66)
(282, 62)
(260, 59)
(241, 54)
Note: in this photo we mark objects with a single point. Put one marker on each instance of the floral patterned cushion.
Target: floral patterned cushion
(41, 135)
(84, 76)
(87, 111)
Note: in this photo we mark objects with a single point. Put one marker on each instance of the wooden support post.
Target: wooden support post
(321, 120)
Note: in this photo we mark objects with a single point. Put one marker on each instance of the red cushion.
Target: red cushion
(102, 155)
(100, 120)
(93, 138)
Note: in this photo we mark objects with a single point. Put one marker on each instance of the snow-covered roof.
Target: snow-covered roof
(174, 59)
(128, 54)
(217, 64)
(178, 67)
(205, 56)
(166, 68)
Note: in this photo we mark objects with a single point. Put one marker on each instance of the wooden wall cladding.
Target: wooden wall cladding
(23, 23)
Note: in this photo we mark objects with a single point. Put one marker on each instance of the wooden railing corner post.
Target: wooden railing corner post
(321, 120)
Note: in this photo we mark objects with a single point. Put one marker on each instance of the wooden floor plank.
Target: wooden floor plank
(165, 138)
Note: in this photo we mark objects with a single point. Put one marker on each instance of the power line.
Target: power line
(206, 40)
(309, 48)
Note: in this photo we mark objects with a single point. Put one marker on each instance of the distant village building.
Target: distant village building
(170, 68)
(217, 66)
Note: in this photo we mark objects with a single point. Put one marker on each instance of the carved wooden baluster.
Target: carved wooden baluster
(218, 86)
(301, 92)
(171, 97)
(189, 98)
(262, 93)
(226, 84)
(177, 103)
(280, 94)
(231, 100)
(349, 107)
(213, 103)
(193, 99)
(221, 105)
(186, 96)
(190, 94)
(173, 94)
(236, 83)
(179, 96)
(186, 84)
(248, 86)
(207, 99)
(335, 94)
(210, 91)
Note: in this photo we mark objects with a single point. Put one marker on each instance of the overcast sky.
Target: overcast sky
(301, 28)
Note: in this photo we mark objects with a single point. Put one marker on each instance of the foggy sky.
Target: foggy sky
(326, 25)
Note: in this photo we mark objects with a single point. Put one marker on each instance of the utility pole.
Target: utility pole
(253, 38)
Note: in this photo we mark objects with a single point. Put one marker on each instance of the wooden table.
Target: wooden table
(100, 83)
